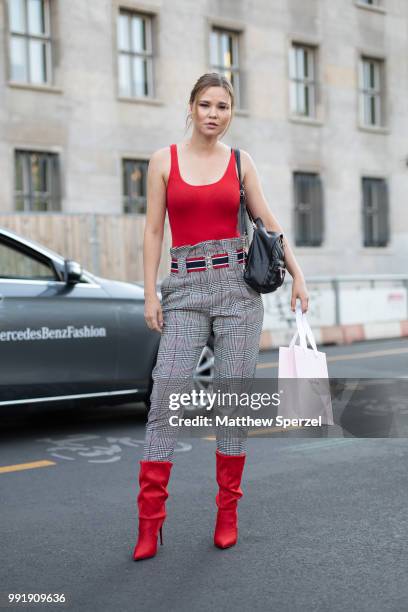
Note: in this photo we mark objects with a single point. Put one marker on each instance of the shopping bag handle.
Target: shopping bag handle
(303, 331)
(309, 332)
(298, 333)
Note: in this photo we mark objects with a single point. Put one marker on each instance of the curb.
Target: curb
(337, 334)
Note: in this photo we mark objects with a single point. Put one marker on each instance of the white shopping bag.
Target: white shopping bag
(303, 377)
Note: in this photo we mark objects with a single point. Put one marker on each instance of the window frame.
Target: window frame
(307, 83)
(26, 36)
(375, 212)
(315, 208)
(365, 92)
(53, 199)
(147, 54)
(235, 68)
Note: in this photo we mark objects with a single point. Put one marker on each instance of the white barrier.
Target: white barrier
(341, 309)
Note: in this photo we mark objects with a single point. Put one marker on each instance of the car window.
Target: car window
(15, 264)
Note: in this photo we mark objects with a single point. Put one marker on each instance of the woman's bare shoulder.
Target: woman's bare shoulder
(247, 163)
(160, 155)
(160, 162)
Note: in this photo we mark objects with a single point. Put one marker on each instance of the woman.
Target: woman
(197, 181)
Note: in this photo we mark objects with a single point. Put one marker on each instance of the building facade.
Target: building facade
(89, 91)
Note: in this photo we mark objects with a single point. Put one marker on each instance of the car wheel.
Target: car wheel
(203, 374)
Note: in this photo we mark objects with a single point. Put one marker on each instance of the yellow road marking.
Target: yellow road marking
(26, 466)
(396, 351)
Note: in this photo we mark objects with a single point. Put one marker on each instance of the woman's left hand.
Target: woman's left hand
(299, 291)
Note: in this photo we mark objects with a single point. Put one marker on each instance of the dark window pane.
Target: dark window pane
(306, 62)
(19, 203)
(39, 204)
(307, 111)
(37, 181)
(372, 76)
(36, 172)
(134, 176)
(308, 210)
(19, 173)
(375, 212)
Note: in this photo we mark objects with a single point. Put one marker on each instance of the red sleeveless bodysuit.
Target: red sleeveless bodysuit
(202, 212)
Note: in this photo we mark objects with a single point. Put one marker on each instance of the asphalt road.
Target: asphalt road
(323, 523)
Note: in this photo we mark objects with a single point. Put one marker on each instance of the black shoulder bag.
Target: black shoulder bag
(265, 266)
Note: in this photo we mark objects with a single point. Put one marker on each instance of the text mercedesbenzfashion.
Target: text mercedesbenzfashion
(242, 421)
(45, 333)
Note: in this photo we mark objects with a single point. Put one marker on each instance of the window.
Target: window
(375, 212)
(370, 94)
(302, 84)
(36, 181)
(308, 209)
(134, 176)
(224, 58)
(30, 42)
(135, 55)
(15, 264)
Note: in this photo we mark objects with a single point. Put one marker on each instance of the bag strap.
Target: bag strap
(242, 199)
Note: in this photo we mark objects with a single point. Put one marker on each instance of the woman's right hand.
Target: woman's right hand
(153, 313)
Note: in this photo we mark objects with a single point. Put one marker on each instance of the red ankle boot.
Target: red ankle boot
(229, 475)
(153, 479)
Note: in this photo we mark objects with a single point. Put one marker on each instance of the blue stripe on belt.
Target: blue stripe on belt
(200, 262)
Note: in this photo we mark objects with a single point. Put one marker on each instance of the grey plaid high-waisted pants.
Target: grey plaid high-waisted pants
(192, 303)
